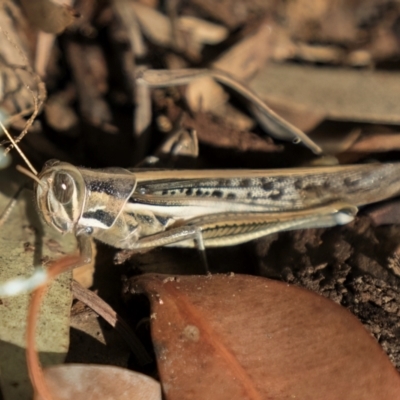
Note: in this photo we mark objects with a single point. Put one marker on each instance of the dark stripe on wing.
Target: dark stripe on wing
(99, 215)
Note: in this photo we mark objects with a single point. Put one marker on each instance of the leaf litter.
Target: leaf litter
(327, 69)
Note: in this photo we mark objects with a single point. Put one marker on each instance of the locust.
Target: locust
(136, 209)
(143, 208)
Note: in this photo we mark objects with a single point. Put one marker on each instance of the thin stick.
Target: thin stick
(18, 149)
(103, 309)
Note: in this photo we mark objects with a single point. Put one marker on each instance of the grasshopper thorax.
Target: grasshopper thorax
(60, 195)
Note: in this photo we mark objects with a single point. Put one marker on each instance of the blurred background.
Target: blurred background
(327, 67)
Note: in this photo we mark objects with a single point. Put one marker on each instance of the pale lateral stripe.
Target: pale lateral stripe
(197, 210)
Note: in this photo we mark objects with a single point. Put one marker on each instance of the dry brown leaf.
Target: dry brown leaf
(386, 213)
(60, 115)
(338, 143)
(234, 117)
(384, 44)
(94, 382)
(227, 136)
(204, 94)
(202, 30)
(44, 46)
(298, 115)
(282, 47)
(322, 54)
(190, 33)
(340, 94)
(243, 337)
(143, 112)
(376, 142)
(128, 18)
(90, 72)
(249, 55)
(48, 15)
(233, 13)
(323, 20)
(14, 73)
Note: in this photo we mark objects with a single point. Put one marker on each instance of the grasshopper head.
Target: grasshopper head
(60, 195)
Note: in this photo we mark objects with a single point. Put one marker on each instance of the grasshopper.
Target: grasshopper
(137, 209)
(143, 208)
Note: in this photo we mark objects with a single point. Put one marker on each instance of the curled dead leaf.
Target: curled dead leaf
(243, 337)
(93, 382)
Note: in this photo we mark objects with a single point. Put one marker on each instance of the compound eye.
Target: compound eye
(63, 187)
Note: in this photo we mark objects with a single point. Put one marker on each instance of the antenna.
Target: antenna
(30, 166)
(28, 173)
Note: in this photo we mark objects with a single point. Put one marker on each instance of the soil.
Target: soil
(351, 265)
